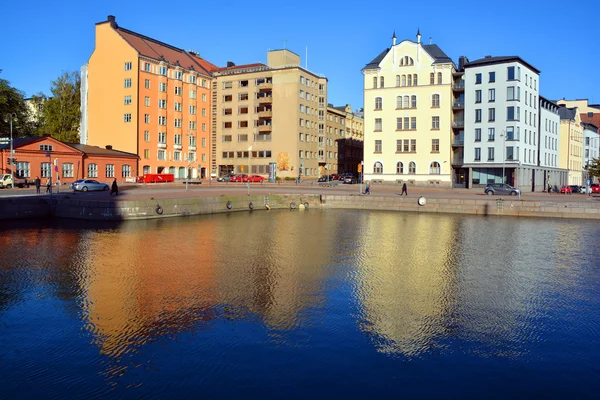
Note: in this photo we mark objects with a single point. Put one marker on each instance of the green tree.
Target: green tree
(61, 112)
(594, 167)
(37, 113)
(12, 102)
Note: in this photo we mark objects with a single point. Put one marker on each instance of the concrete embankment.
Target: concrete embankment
(122, 209)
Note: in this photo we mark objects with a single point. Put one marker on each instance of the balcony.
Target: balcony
(458, 124)
(265, 85)
(458, 160)
(265, 128)
(458, 105)
(458, 86)
(458, 142)
(265, 114)
(262, 138)
(265, 99)
(192, 148)
(177, 146)
(162, 145)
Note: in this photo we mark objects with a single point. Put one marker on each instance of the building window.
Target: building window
(192, 125)
(162, 120)
(92, 171)
(127, 83)
(178, 90)
(381, 82)
(110, 171)
(127, 117)
(491, 134)
(478, 135)
(492, 76)
(162, 104)
(178, 107)
(413, 101)
(178, 75)
(412, 168)
(378, 125)
(413, 145)
(478, 115)
(162, 70)
(434, 168)
(492, 95)
(128, 66)
(46, 169)
(177, 122)
(478, 96)
(192, 94)
(177, 139)
(435, 101)
(399, 146)
(439, 78)
(477, 78)
(204, 97)
(125, 171)
(146, 154)
(162, 87)
(378, 146)
(435, 145)
(162, 155)
(398, 102)
(511, 115)
(406, 145)
(67, 170)
(406, 101)
(162, 137)
(490, 154)
(378, 168)
(176, 156)
(147, 83)
(127, 100)
(409, 80)
(399, 168)
(146, 118)
(403, 80)
(378, 103)
(399, 123)
(477, 154)
(491, 114)
(374, 82)
(147, 67)
(397, 80)
(435, 122)
(415, 80)
(432, 78)
(511, 73)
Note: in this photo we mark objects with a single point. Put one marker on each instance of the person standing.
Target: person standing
(367, 188)
(404, 191)
(549, 187)
(38, 184)
(48, 186)
(114, 188)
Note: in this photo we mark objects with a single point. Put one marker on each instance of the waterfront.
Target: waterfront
(333, 303)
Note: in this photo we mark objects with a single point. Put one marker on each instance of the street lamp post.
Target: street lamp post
(9, 118)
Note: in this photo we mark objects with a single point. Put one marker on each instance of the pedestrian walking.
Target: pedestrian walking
(114, 188)
(367, 188)
(58, 185)
(549, 187)
(404, 191)
(38, 184)
(48, 186)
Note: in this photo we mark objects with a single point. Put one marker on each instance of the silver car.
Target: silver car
(501, 188)
(88, 184)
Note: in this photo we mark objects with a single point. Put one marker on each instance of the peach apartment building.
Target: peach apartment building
(148, 98)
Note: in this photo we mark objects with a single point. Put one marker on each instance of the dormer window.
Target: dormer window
(406, 61)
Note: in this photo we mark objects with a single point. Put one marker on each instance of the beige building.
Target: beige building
(268, 116)
(570, 155)
(408, 98)
(350, 145)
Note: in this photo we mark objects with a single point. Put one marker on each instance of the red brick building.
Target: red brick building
(39, 156)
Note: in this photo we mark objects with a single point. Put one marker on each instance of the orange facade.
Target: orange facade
(149, 98)
(40, 156)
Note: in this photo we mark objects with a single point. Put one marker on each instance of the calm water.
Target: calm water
(300, 304)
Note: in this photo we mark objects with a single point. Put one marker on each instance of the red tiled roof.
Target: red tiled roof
(158, 50)
(242, 66)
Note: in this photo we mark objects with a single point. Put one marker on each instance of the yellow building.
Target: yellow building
(269, 115)
(570, 155)
(149, 98)
(408, 98)
(350, 145)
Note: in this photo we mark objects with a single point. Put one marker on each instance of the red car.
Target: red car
(566, 189)
(255, 179)
(595, 187)
(239, 178)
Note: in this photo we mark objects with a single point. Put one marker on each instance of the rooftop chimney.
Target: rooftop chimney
(108, 147)
(488, 56)
(112, 20)
(230, 64)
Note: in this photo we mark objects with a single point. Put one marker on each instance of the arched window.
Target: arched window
(406, 101)
(434, 168)
(378, 168)
(432, 78)
(435, 100)
(146, 169)
(415, 79)
(399, 168)
(374, 82)
(378, 103)
(381, 82)
(413, 101)
(403, 80)
(409, 80)
(412, 168)
(439, 78)
(398, 101)
(397, 80)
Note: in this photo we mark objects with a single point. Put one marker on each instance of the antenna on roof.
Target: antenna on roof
(430, 39)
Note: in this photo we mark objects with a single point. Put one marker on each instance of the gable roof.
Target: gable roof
(83, 148)
(21, 141)
(567, 113)
(375, 63)
(436, 53)
(500, 60)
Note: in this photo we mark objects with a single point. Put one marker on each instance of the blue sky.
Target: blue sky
(42, 39)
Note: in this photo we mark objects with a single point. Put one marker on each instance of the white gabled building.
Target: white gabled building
(591, 145)
(549, 146)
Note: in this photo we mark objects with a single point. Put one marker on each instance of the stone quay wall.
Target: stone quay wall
(119, 210)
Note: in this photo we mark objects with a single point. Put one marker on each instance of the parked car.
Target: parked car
(566, 189)
(501, 188)
(226, 178)
(85, 185)
(334, 177)
(255, 179)
(239, 178)
(344, 175)
(350, 179)
(595, 187)
(577, 189)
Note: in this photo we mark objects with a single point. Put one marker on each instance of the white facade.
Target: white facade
(549, 134)
(591, 143)
(501, 121)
